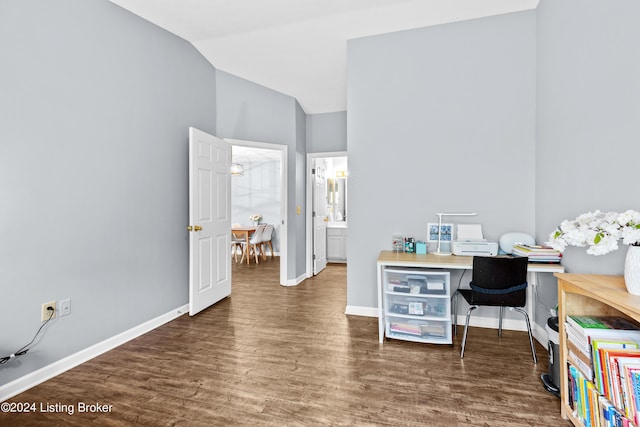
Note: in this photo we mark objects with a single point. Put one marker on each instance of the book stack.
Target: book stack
(536, 253)
(604, 370)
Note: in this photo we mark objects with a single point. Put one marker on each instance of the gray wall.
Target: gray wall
(94, 114)
(588, 104)
(440, 119)
(327, 132)
(252, 112)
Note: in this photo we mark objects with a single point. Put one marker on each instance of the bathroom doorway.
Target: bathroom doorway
(326, 204)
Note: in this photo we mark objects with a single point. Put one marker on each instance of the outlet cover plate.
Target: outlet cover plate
(46, 313)
(65, 307)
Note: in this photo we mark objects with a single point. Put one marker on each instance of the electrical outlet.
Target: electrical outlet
(46, 312)
(65, 307)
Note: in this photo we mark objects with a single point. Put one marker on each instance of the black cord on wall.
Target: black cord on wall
(24, 349)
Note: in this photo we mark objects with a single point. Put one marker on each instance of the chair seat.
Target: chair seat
(514, 299)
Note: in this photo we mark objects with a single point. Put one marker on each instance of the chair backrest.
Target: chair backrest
(268, 231)
(256, 237)
(495, 275)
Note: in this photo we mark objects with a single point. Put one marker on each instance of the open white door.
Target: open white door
(209, 220)
(319, 219)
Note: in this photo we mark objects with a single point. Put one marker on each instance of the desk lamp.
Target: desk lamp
(440, 215)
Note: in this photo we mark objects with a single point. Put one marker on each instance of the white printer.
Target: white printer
(474, 248)
(471, 242)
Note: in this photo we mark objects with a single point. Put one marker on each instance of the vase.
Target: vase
(255, 223)
(632, 270)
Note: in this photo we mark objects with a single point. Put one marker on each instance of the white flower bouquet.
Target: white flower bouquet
(255, 217)
(598, 230)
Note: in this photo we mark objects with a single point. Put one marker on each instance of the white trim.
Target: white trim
(45, 373)
(284, 196)
(507, 324)
(361, 311)
(540, 334)
(309, 219)
(296, 281)
(492, 323)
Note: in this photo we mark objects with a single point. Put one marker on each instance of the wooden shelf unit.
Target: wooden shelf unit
(589, 294)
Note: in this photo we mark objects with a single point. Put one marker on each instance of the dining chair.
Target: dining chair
(254, 244)
(236, 243)
(499, 282)
(266, 240)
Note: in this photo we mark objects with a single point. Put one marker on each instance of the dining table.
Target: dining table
(247, 231)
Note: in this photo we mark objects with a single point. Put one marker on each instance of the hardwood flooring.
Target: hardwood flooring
(272, 355)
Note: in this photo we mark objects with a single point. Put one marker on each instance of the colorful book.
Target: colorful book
(618, 376)
(611, 375)
(626, 370)
(597, 325)
(601, 343)
(635, 384)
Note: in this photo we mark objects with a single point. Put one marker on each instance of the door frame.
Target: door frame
(284, 237)
(311, 161)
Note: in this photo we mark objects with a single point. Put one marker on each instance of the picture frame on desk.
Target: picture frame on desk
(446, 234)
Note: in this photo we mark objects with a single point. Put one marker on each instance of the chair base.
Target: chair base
(466, 325)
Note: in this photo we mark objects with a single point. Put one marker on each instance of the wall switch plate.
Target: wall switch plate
(65, 307)
(46, 314)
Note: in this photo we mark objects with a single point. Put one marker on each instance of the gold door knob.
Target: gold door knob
(326, 219)
(189, 228)
(197, 228)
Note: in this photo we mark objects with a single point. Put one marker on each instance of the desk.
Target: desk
(452, 262)
(245, 230)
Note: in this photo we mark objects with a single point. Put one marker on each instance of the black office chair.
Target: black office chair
(500, 282)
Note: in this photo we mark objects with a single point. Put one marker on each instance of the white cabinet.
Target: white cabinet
(417, 305)
(337, 244)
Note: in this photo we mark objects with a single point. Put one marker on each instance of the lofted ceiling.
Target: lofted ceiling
(298, 47)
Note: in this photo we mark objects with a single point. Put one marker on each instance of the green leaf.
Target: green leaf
(557, 234)
(598, 237)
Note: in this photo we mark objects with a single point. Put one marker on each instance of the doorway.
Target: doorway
(333, 211)
(260, 188)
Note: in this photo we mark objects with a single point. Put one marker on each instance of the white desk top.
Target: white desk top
(452, 262)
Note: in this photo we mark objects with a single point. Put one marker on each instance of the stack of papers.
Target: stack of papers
(538, 253)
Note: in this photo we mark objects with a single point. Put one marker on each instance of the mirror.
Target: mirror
(337, 199)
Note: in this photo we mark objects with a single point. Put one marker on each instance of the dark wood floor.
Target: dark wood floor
(271, 355)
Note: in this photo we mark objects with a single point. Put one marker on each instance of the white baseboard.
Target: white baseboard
(361, 311)
(296, 281)
(538, 332)
(45, 373)
(492, 323)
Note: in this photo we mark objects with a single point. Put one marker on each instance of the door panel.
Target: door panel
(209, 219)
(319, 219)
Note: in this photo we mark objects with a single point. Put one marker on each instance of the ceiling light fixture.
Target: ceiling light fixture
(236, 169)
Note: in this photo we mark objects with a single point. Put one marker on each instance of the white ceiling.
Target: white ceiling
(298, 47)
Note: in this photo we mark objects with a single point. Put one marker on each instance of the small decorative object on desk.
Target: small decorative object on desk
(397, 243)
(601, 232)
(409, 245)
(255, 218)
